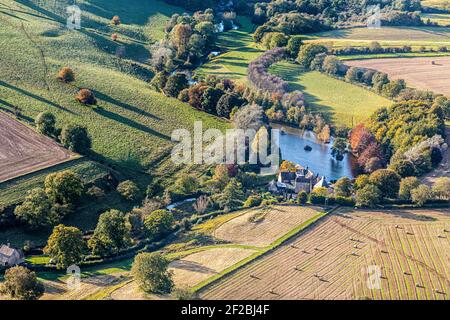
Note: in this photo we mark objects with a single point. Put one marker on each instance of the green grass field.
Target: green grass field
(344, 103)
(131, 126)
(429, 37)
(240, 51)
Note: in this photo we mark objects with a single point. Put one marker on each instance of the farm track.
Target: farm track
(324, 264)
(23, 151)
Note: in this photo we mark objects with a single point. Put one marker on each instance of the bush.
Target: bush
(421, 195)
(252, 201)
(86, 96)
(45, 123)
(308, 52)
(76, 138)
(175, 83)
(344, 201)
(128, 189)
(406, 186)
(66, 74)
(22, 284)
(302, 197)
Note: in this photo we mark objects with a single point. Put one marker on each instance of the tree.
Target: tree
(353, 74)
(308, 52)
(63, 187)
(150, 271)
(66, 75)
(343, 187)
(129, 190)
(226, 103)
(65, 246)
(159, 80)
(76, 138)
(86, 96)
(403, 167)
(158, 224)
(293, 46)
(339, 148)
(421, 194)
(361, 181)
(331, 65)
(441, 188)
(406, 186)
(175, 83)
(45, 123)
(21, 283)
(387, 181)
(111, 234)
(249, 117)
(211, 98)
(187, 184)
(318, 195)
(181, 35)
(253, 200)
(232, 195)
(36, 211)
(368, 196)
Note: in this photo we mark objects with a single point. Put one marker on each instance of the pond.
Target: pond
(319, 159)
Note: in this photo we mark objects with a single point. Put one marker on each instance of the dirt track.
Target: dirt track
(417, 72)
(23, 151)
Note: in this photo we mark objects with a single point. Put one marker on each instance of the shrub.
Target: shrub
(158, 224)
(441, 188)
(76, 138)
(45, 123)
(175, 83)
(344, 201)
(115, 20)
(66, 74)
(183, 294)
(252, 201)
(22, 284)
(343, 187)
(308, 52)
(302, 197)
(95, 192)
(86, 96)
(128, 189)
(150, 271)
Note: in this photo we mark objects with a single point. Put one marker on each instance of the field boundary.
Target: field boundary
(263, 252)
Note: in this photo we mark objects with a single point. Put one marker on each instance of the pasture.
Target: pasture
(442, 19)
(416, 37)
(333, 259)
(238, 51)
(438, 4)
(417, 72)
(343, 103)
(131, 126)
(22, 150)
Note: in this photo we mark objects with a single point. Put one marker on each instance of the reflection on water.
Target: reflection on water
(319, 159)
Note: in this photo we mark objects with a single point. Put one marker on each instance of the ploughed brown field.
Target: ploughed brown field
(420, 72)
(22, 150)
(334, 260)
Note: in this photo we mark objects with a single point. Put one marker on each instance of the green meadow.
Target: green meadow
(344, 103)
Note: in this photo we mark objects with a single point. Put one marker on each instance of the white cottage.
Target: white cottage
(10, 256)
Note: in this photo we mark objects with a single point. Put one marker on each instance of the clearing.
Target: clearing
(417, 72)
(345, 103)
(269, 225)
(416, 37)
(332, 259)
(23, 150)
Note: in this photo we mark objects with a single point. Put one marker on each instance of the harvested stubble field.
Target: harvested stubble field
(418, 72)
(23, 151)
(331, 260)
(274, 223)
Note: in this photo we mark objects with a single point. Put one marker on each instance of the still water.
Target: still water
(319, 159)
